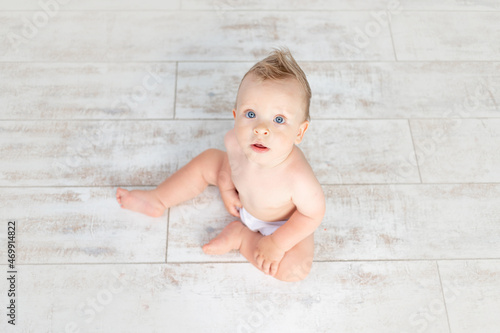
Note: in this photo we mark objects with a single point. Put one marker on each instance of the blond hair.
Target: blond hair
(280, 65)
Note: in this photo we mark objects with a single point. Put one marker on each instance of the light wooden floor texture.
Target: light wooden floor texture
(405, 139)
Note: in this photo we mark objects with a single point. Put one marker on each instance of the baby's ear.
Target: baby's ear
(302, 130)
(234, 113)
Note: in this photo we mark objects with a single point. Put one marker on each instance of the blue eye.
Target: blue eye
(250, 114)
(279, 120)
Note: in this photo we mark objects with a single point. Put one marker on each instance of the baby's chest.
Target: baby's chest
(264, 190)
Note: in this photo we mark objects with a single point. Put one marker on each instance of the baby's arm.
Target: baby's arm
(309, 200)
(310, 203)
(227, 189)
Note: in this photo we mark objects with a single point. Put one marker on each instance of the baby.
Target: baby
(264, 178)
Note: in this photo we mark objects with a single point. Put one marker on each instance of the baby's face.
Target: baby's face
(269, 119)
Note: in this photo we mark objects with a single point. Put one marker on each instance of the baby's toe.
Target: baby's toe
(119, 194)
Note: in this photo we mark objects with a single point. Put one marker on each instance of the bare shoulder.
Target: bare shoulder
(300, 168)
(307, 193)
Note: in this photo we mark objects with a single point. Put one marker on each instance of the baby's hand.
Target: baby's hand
(232, 202)
(268, 255)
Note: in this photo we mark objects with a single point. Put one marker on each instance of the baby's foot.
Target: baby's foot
(145, 202)
(229, 239)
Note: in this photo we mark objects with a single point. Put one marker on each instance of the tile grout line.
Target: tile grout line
(442, 294)
(231, 119)
(415, 151)
(392, 38)
(248, 61)
(322, 184)
(317, 10)
(175, 88)
(168, 232)
(218, 262)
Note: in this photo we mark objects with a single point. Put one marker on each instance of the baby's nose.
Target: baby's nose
(261, 129)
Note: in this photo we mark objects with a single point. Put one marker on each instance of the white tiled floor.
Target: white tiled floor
(405, 139)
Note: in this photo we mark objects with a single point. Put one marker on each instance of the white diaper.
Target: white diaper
(254, 224)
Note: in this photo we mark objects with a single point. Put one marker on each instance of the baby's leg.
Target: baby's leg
(294, 266)
(185, 184)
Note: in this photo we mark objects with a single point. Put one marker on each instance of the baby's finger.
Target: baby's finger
(235, 211)
(232, 210)
(238, 204)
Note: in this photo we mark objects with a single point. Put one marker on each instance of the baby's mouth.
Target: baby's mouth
(259, 148)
